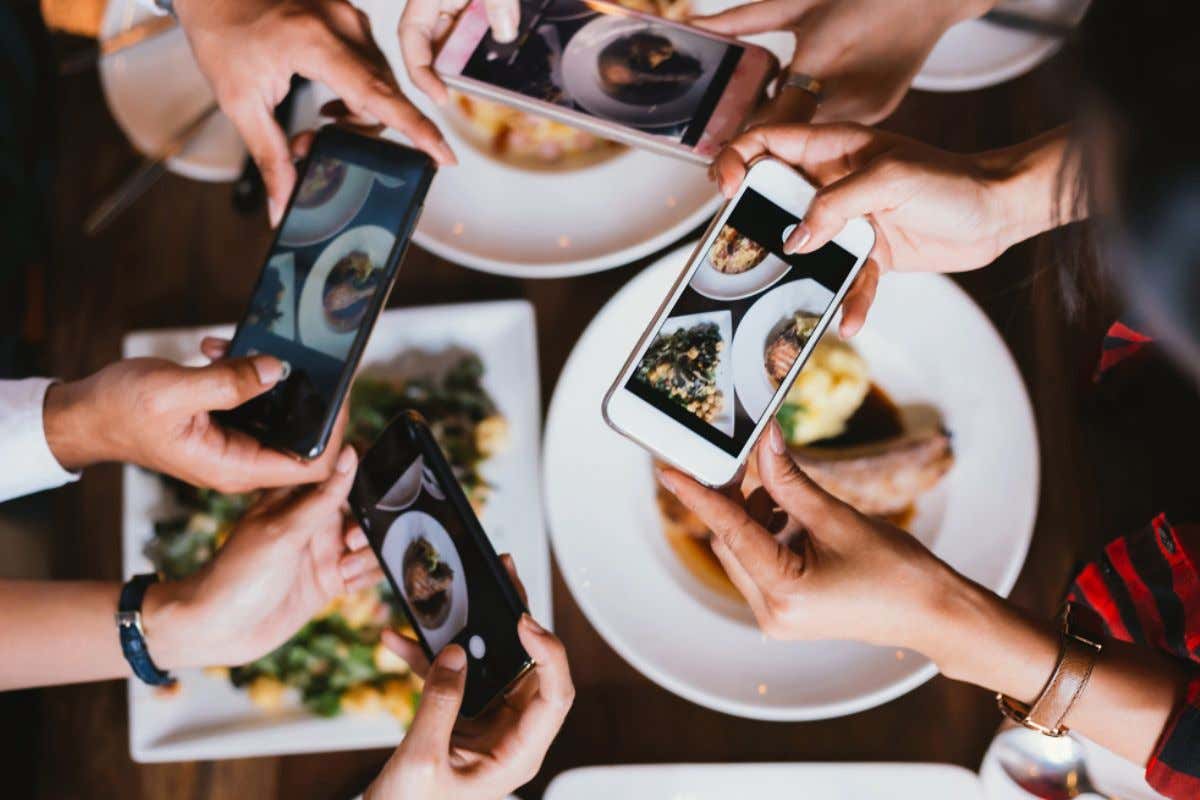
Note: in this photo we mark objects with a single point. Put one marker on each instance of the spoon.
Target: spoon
(1051, 768)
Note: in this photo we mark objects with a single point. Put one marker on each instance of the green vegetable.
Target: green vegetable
(789, 417)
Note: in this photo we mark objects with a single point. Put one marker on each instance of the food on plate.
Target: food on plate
(883, 478)
(321, 181)
(646, 69)
(264, 306)
(683, 366)
(336, 662)
(732, 253)
(827, 392)
(844, 432)
(348, 290)
(427, 581)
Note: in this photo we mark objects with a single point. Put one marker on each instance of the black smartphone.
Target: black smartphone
(325, 281)
(438, 559)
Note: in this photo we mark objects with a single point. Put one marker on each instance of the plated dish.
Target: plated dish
(688, 360)
(346, 704)
(978, 515)
(340, 287)
(327, 203)
(736, 267)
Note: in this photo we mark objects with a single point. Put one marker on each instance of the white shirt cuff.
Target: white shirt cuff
(27, 464)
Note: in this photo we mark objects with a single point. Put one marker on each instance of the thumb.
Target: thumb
(434, 721)
(802, 499)
(858, 194)
(331, 493)
(230, 382)
(504, 16)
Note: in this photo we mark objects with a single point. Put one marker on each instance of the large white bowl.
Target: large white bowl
(925, 343)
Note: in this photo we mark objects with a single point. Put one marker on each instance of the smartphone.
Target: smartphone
(618, 73)
(326, 279)
(714, 364)
(438, 560)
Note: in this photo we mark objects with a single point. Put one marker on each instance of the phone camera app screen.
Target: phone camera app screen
(737, 329)
(329, 263)
(638, 73)
(433, 561)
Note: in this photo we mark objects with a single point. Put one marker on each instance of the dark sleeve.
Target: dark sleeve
(1146, 588)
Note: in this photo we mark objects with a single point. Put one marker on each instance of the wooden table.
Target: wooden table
(182, 257)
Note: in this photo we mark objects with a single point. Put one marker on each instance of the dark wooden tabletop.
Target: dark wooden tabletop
(183, 257)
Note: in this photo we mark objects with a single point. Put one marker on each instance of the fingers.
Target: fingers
(428, 740)
(356, 539)
(330, 494)
(789, 105)
(824, 153)
(214, 347)
(858, 300)
(795, 492)
(268, 146)
(869, 190)
(765, 560)
(360, 568)
(750, 18)
(511, 567)
(228, 383)
(539, 723)
(409, 650)
(417, 32)
(504, 17)
(301, 144)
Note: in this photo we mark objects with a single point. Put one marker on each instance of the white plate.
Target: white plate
(975, 54)
(1109, 772)
(724, 373)
(209, 718)
(711, 282)
(311, 225)
(925, 342)
(581, 74)
(404, 531)
(765, 319)
(841, 781)
(315, 330)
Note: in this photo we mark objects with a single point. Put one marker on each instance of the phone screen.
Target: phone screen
(333, 261)
(658, 78)
(424, 532)
(739, 325)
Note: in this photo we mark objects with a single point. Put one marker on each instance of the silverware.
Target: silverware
(145, 176)
(1051, 768)
(137, 34)
(1014, 20)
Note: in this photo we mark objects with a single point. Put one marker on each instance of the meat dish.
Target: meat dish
(322, 179)
(783, 351)
(427, 581)
(348, 290)
(646, 69)
(732, 253)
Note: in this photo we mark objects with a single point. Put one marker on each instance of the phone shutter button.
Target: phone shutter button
(477, 647)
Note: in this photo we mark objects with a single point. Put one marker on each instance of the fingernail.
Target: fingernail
(775, 438)
(504, 27)
(797, 240)
(532, 624)
(269, 369)
(452, 659)
(346, 459)
(665, 480)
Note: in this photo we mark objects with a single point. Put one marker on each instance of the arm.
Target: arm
(863, 579)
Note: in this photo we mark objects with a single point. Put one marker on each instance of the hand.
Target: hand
(155, 413)
(249, 50)
(933, 211)
(442, 756)
(286, 559)
(852, 577)
(864, 52)
(427, 21)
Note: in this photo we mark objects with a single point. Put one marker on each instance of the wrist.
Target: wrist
(66, 419)
(1030, 189)
(171, 638)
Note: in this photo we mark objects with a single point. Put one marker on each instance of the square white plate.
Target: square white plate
(834, 781)
(208, 718)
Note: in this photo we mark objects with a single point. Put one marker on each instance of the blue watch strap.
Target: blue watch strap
(133, 639)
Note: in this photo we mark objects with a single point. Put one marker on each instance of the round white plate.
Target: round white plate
(404, 531)
(581, 74)
(315, 331)
(711, 282)
(764, 319)
(307, 226)
(975, 53)
(606, 532)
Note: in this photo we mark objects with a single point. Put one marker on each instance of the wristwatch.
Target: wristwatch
(1082, 641)
(133, 638)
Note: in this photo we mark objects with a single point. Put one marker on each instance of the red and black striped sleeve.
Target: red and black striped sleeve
(1146, 588)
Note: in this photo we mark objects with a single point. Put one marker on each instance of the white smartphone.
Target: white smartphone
(620, 74)
(737, 326)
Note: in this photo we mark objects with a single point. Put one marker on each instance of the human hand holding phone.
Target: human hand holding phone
(443, 755)
(156, 414)
(425, 22)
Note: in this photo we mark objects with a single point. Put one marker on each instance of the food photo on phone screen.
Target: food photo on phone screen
(658, 78)
(739, 325)
(328, 263)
